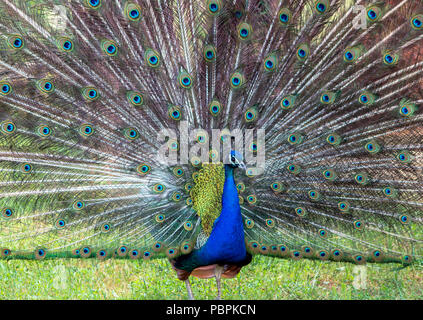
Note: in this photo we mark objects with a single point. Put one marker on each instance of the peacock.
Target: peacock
(210, 131)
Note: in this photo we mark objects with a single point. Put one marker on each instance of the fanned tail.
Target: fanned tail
(88, 86)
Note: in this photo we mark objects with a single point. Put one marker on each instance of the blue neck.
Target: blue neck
(226, 243)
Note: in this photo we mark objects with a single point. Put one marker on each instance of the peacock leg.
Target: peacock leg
(218, 274)
(190, 295)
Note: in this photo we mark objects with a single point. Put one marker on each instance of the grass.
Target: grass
(266, 278)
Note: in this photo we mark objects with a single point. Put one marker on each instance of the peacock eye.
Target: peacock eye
(94, 4)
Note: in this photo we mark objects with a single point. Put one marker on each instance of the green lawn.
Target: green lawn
(265, 278)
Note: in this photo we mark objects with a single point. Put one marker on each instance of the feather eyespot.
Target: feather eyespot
(160, 218)
(133, 12)
(188, 226)
(337, 254)
(358, 225)
(131, 133)
(152, 58)
(172, 252)
(407, 109)
(323, 255)
(90, 94)
(390, 59)
(15, 42)
(344, 206)
(195, 174)
(134, 254)
(6, 88)
(86, 130)
(277, 187)
(4, 253)
(252, 199)
(303, 52)
(374, 13)
(283, 250)
(377, 255)
(158, 246)
(78, 205)
(214, 155)
(209, 53)
(109, 47)
(314, 195)
(352, 54)
(253, 245)
(390, 192)
(367, 98)
(295, 139)
(271, 63)
(249, 224)
(201, 136)
(122, 251)
(214, 6)
(106, 227)
(185, 80)
(45, 86)
(94, 4)
(65, 44)
(26, 168)
(215, 107)
(239, 14)
(301, 212)
(404, 219)
(178, 172)
(8, 127)
(321, 6)
(40, 253)
(101, 254)
(159, 188)
(361, 178)
(241, 187)
(293, 168)
(7, 213)
(287, 102)
(334, 139)
(330, 174)
(175, 113)
(296, 255)
(237, 80)
(404, 157)
(417, 22)
(358, 258)
(252, 172)
(253, 147)
(323, 233)
(244, 31)
(176, 197)
(285, 16)
(186, 247)
(60, 224)
(270, 223)
(135, 98)
(406, 259)
(328, 97)
(250, 115)
(372, 147)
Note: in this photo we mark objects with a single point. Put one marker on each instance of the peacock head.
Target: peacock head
(236, 160)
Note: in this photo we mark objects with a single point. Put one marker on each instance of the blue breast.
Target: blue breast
(226, 242)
